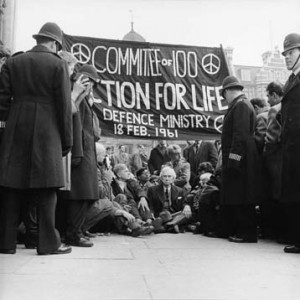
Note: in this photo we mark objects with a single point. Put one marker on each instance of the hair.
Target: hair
(172, 149)
(260, 102)
(167, 169)
(275, 87)
(68, 57)
(118, 168)
(43, 39)
(140, 171)
(108, 148)
(205, 167)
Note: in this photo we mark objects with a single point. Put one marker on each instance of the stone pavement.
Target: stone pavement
(160, 267)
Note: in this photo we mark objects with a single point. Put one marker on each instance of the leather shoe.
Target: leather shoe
(63, 249)
(7, 251)
(236, 239)
(81, 242)
(291, 249)
(89, 234)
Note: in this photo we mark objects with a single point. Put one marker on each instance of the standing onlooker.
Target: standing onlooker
(137, 160)
(38, 133)
(273, 221)
(261, 110)
(290, 111)
(158, 156)
(122, 157)
(239, 156)
(84, 185)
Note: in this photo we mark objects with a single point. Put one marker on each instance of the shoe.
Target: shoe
(63, 249)
(210, 234)
(81, 242)
(236, 239)
(291, 249)
(7, 251)
(89, 234)
(30, 246)
(143, 230)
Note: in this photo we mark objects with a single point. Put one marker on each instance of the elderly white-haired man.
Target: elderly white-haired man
(168, 203)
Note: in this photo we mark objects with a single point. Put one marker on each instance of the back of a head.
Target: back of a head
(260, 102)
(275, 87)
(68, 57)
(173, 149)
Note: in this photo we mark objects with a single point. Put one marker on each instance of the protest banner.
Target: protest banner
(155, 91)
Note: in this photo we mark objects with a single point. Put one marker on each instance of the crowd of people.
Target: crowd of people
(60, 186)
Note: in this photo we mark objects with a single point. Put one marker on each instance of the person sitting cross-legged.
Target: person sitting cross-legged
(168, 203)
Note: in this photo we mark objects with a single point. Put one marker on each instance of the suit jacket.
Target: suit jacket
(260, 130)
(35, 103)
(156, 198)
(156, 160)
(290, 113)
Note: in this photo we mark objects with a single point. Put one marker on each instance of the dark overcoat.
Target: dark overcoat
(84, 179)
(156, 198)
(35, 102)
(290, 112)
(239, 155)
(157, 159)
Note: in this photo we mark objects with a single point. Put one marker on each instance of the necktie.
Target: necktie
(168, 197)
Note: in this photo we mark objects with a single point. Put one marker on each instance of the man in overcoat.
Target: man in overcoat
(84, 183)
(239, 156)
(35, 109)
(290, 112)
(158, 156)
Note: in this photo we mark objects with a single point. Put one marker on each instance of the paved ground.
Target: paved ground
(165, 266)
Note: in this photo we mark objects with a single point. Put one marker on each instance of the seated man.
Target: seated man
(107, 205)
(145, 179)
(135, 197)
(168, 203)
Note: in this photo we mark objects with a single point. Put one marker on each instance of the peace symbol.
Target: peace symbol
(218, 123)
(81, 52)
(211, 64)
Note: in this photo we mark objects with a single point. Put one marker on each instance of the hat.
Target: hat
(51, 31)
(291, 41)
(230, 82)
(90, 72)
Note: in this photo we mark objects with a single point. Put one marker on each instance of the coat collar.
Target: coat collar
(41, 48)
(296, 82)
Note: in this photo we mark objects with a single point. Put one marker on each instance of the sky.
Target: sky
(250, 27)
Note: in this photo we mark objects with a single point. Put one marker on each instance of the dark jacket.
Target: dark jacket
(290, 112)
(239, 154)
(84, 181)
(156, 160)
(35, 102)
(156, 198)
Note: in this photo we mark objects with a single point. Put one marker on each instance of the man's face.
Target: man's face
(145, 176)
(163, 143)
(291, 57)
(124, 174)
(167, 179)
(175, 156)
(272, 98)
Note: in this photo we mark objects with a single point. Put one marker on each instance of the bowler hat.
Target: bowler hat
(291, 41)
(90, 72)
(230, 82)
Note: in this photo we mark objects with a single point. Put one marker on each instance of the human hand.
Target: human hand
(187, 211)
(129, 217)
(143, 204)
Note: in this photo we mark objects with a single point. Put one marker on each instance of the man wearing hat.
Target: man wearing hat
(84, 183)
(37, 134)
(239, 155)
(290, 112)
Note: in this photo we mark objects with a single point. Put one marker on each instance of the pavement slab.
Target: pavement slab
(155, 267)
